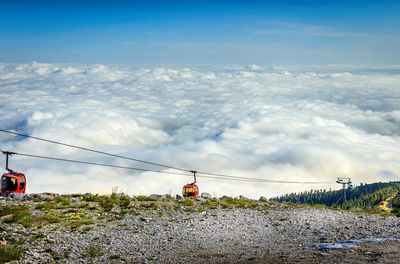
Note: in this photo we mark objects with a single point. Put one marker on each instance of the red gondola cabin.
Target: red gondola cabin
(12, 183)
(190, 191)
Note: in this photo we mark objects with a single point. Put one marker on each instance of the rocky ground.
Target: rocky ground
(122, 229)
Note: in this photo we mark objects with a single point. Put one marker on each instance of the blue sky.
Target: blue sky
(201, 32)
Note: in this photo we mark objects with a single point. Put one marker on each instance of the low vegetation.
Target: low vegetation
(9, 253)
(82, 213)
(396, 205)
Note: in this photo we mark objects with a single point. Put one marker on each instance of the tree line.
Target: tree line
(363, 196)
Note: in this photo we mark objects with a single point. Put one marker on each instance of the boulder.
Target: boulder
(200, 199)
(46, 196)
(241, 197)
(223, 198)
(263, 199)
(178, 197)
(206, 195)
(166, 196)
(76, 201)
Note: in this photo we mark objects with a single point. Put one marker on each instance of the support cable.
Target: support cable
(202, 174)
(148, 170)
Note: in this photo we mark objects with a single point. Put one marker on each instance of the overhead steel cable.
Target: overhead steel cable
(241, 177)
(93, 163)
(140, 169)
(203, 174)
(92, 150)
(244, 179)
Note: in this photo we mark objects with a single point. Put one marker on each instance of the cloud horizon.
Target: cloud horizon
(276, 122)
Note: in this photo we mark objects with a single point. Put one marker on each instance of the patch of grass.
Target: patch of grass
(57, 257)
(94, 251)
(86, 229)
(37, 237)
(48, 219)
(114, 257)
(26, 221)
(149, 206)
(241, 203)
(63, 200)
(48, 250)
(45, 206)
(144, 198)
(82, 205)
(18, 214)
(75, 224)
(188, 202)
(90, 198)
(9, 253)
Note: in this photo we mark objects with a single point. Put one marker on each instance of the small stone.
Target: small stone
(45, 196)
(34, 254)
(206, 195)
(6, 217)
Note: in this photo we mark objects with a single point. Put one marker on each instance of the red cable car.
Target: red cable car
(191, 190)
(12, 182)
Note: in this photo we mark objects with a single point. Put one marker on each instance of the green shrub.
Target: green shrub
(115, 257)
(124, 201)
(396, 212)
(188, 202)
(107, 204)
(90, 198)
(9, 253)
(63, 200)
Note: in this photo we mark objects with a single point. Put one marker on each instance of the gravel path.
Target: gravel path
(281, 234)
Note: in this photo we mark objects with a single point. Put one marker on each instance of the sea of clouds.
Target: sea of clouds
(291, 123)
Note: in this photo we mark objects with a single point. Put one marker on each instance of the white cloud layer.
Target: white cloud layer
(294, 123)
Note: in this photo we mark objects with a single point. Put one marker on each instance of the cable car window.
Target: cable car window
(22, 183)
(9, 183)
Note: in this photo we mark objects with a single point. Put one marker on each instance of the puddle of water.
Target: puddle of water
(350, 243)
